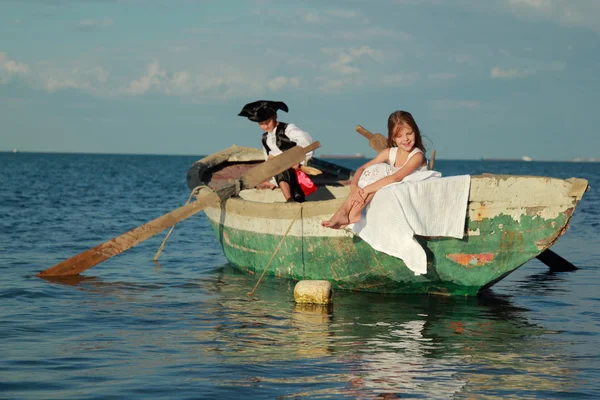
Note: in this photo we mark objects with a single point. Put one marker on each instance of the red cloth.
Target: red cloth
(307, 185)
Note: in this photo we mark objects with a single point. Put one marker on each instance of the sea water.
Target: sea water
(185, 328)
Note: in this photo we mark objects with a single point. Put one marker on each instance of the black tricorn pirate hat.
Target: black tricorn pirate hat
(262, 110)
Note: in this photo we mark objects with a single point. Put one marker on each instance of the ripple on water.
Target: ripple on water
(186, 328)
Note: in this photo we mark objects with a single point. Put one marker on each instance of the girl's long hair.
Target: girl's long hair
(399, 118)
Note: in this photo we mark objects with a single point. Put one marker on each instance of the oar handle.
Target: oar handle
(277, 165)
(364, 132)
(117, 245)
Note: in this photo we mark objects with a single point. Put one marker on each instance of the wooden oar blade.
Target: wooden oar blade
(117, 245)
(377, 141)
(555, 262)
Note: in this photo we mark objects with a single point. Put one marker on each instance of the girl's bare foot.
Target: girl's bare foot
(336, 223)
(353, 219)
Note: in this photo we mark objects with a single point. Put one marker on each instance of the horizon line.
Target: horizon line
(486, 159)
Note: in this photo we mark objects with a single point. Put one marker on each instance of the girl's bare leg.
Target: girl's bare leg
(354, 214)
(340, 216)
(348, 214)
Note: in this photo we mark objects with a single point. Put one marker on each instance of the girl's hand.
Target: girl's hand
(362, 194)
(356, 196)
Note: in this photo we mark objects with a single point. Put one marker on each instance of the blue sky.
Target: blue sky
(493, 78)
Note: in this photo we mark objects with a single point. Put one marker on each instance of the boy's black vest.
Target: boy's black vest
(281, 140)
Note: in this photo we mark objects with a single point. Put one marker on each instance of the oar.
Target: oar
(119, 244)
(552, 260)
(555, 262)
(377, 141)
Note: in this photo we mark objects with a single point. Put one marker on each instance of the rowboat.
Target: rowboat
(510, 220)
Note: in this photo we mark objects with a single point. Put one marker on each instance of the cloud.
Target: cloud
(315, 18)
(52, 78)
(327, 16)
(11, 68)
(89, 79)
(584, 13)
(91, 24)
(152, 78)
(179, 48)
(442, 76)
(221, 80)
(508, 73)
(280, 82)
(399, 79)
(530, 3)
(339, 83)
(422, 2)
(53, 84)
(344, 13)
(371, 32)
(462, 59)
(222, 83)
(345, 62)
(455, 104)
(521, 72)
(180, 83)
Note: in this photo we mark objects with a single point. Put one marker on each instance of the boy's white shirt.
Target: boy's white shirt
(296, 135)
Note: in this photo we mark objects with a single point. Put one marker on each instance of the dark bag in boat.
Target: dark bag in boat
(307, 185)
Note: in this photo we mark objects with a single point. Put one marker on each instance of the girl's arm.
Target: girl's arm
(379, 158)
(411, 166)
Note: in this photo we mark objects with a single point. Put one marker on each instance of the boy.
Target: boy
(278, 137)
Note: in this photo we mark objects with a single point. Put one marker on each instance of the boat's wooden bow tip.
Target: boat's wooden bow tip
(578, 187)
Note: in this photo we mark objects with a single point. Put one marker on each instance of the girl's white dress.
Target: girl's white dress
(379, 171)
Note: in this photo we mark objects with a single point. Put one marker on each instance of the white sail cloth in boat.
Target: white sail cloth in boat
(430, 207)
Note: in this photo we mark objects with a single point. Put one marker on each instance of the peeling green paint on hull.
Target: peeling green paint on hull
(510, 220)
(455, 267)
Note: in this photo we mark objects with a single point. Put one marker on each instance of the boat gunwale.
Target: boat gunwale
(574, 188)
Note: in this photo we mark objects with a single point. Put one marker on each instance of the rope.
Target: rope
(194, 192)
(276, 250)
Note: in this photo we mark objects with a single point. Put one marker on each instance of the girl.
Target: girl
(404, 156)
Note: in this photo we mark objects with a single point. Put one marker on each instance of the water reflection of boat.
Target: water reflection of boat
(363, 346)
(377, 344)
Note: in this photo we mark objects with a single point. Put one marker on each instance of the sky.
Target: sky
(483, 78)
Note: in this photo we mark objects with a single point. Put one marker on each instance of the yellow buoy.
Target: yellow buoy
(313, 292)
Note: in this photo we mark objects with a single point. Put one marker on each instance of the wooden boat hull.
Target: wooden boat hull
(511, 219)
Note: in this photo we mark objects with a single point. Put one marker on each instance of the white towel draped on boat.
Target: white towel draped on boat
(432, 207)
